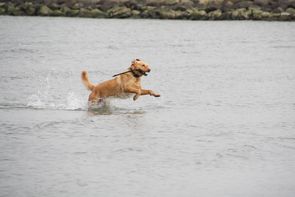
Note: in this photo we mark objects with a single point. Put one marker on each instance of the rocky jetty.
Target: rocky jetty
(280, 10)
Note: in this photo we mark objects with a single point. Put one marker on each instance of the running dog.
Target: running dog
(122, 86)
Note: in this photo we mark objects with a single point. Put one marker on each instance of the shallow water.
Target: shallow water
(223, 126)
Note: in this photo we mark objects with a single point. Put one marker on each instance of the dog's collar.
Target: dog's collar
(137, 73)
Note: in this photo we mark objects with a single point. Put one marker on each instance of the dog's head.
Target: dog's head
(140, 67)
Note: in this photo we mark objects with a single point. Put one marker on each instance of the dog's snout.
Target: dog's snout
(149, 70)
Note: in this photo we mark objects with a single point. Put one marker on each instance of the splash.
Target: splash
(71, 102)
(48, 97)
(41, 99)
(100, 108)
(74, 102)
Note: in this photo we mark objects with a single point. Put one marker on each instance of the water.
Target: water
(224, 125)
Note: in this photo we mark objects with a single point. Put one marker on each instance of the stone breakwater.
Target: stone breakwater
(282, 10)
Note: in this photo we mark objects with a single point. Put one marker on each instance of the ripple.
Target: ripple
(284, 47)
(12, 106)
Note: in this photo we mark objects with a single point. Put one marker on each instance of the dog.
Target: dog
(122, 86)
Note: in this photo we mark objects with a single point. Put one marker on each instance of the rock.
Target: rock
(278, 10)
(208, 2)
(210, 5)
(196, 14)
(148, 12)
(2, 8)
(275, 16)
(162, 9)
(2, 5)
(235, 15)
(71, 3)
(215, 15)
(243, 4)
(134, 5)
(10, 8)
(13, 10)
(214, 5)
(2, 11)
(158, 3)
(85, 12)
(135, 14)
(290, 11)
(55, 6)
(65, 10)
(273, 4)
(29, 8)
(166, 13)
(286, 3)
(57, 12)
(266, 5)
(203, 2)
(266, 15)
(73, 12)
(226, 6)
(77, 6)
(181, 7)
(261, 2)
(45, 11)
(70, 12)
(226, 15)
(180, 15)
(183, 4)
(119, 12)
(186, 2)
(256, 13)
(96, 13)
(241, 14)
(285, 16)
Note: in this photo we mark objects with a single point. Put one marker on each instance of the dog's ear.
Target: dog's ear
(136, 60)
(132, 66)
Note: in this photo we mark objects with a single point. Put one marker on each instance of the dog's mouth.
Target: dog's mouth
(143, 72)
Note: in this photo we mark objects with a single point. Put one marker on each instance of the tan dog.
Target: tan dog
(122, 85)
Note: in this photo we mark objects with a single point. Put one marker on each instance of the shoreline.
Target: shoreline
(284, 10)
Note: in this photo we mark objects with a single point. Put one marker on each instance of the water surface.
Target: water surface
(224, 125)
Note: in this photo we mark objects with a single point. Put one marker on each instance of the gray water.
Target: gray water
(223, 126)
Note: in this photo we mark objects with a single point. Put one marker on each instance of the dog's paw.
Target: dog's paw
(155, 95)
(135, 97)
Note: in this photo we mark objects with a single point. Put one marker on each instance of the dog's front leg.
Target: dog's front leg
(150, 92)
(137, 92)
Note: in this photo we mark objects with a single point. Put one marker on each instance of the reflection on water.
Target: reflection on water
(101, 107)
(105, 107)
(223, 126)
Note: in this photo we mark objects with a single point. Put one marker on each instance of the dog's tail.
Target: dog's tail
(86, 82)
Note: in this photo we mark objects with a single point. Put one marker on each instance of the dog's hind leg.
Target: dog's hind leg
(96, 101)
(95, 97)
(92, 96)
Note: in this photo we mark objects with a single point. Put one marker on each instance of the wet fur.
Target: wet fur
(121, 85)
